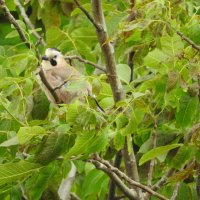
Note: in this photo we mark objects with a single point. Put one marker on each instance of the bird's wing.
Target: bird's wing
(45, 86)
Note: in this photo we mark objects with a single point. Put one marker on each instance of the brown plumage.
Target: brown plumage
(61, 82)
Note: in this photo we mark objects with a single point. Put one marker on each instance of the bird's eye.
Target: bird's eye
(55, 56)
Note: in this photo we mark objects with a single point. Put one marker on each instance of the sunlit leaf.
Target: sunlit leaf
(159, 151)
(11, 172)
(25, 134)
(187, 109)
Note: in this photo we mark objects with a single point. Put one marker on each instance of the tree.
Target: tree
(146, 144)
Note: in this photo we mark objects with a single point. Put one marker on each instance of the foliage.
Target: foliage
(162, 97)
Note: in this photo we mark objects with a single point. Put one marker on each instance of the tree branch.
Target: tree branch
(130, 64)
(175, 192)
(127, 191)
(13, 21)
(85, 61)
(96, 25)
(73, 196)
(107, 50)
(192, 131)
(163, 180)
(190, 42)
(123, 176)
(28, 22)
(112, 187)
(116, 86)
(152, 162)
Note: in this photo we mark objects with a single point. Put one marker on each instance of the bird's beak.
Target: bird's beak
(45, 58)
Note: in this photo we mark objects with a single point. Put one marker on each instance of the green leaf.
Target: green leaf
(83, 142)
(97, 179)
(121, 121)
(36, 185)
(86, 6)
(129, 128)
(51, 148)
(99, 142)
(159, 151)
(124, 72)
(155, 59)
(41, 106)
(25, 134)
(12, 34)
(34, 30)
(41, 3)
(187, 110)
(184, 154)
(28, 87)
(11, 172)
(119, 141)
(10, 142)
(107, 102)
(72, 113)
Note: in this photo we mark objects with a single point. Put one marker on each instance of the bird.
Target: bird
(61, 82)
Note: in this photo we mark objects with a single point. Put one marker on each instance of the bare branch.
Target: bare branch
(198, 180)
(163, 180)
(85, 61)
(96, 25)
(193, 130)
(13, 21)
(175, 192)
(127, 191)
(37, 52)
(112, 187)
(152, 162)
(130, 161)
(73, 196)
(190, 42)
(126, 178)
(28, 22)
(130, 64)
(107, 50)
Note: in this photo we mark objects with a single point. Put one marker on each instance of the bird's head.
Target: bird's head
(53, 57)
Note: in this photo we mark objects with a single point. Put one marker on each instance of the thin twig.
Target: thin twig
(127, 191)
(28, 22)
(85, 61)
(192, 131)
(198, 180)
(96, 25)
(73, 196)
(126, 178)
(190, 42)
(198, 78)
(130, 64)
(152, 162)
(175, 192)
(13, 21)
(37, 50)
(112, 188)
(163, 180)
